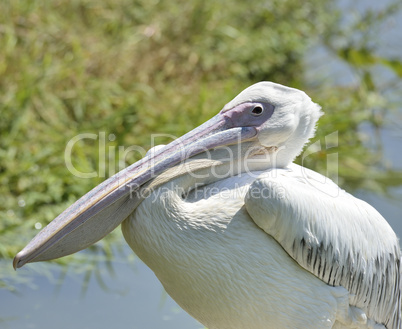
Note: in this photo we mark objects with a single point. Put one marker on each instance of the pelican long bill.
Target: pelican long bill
(102, 209)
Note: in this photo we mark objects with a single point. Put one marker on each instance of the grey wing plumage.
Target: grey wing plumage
(340, 239)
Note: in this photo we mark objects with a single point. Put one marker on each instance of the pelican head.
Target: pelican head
(292, 120)
(273, 116)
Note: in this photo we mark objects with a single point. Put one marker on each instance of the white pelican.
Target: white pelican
(238, 235)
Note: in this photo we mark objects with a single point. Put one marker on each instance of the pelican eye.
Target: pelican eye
(257, 110)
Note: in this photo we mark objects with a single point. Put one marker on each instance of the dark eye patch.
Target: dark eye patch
(257, 110)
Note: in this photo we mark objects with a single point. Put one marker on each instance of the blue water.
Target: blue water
(135, 299)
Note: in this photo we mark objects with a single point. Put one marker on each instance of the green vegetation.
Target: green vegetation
(133, 68)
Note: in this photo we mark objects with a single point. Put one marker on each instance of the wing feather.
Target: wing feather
(340, 239)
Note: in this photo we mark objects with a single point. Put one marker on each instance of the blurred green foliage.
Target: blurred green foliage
(132, 68)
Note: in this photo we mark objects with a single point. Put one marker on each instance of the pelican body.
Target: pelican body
(239, 236)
